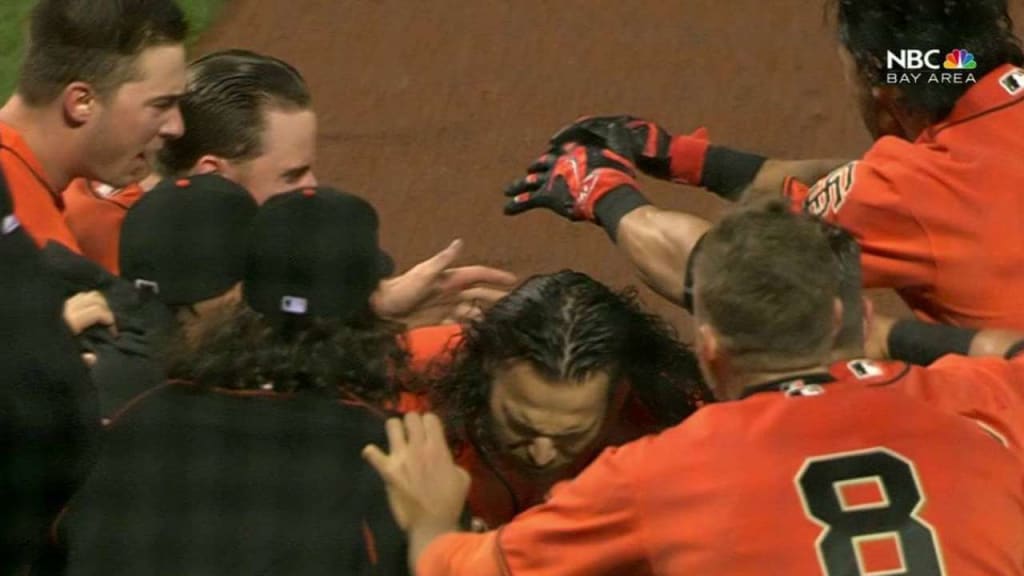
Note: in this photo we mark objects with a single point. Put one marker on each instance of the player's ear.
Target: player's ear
(713, 358)
(708, 346)
(79, 103)
(837, 316)
(210, 164)
(868, 320)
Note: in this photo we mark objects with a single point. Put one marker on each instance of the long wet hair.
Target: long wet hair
(567, 326)
(871, 28)
(361, 358)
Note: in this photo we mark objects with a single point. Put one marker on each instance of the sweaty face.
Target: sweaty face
(289, 149)
(134, 122)
(546, 424)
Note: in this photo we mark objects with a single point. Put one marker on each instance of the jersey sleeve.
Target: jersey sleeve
(43, 221)
(431, 344)
(590, 525)
(895, 249)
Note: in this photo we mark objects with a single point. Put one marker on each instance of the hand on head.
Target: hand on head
(435, 292)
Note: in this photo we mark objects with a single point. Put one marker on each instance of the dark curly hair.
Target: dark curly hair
(568, 325)
(869, 28)
(240, 349)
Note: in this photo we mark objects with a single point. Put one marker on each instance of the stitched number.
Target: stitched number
(867, 504)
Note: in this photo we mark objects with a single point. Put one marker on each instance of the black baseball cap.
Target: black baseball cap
(185, 239)
(314, 252)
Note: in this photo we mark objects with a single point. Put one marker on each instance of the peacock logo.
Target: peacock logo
(959, 59)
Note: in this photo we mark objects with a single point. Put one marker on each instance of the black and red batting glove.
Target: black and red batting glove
(658, 153)
(579, 183)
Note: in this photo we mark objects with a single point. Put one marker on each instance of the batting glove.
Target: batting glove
(572, 183)
(657, 152)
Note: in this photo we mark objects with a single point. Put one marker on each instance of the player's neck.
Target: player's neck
(751, 379)
(49, 142)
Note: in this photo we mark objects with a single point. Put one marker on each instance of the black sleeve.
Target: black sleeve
(922, 343)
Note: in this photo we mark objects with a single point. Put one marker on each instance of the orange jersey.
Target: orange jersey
(500, 487)
(431, 346)
(898, 470)
(93, 213)
(38, 206)
(939, 219)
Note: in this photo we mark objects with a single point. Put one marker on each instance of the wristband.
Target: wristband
(614, 205)
(922, 343)
(728, 172)
(686, 159)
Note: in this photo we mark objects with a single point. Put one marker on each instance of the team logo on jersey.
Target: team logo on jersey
(1013, 81)
(864, 369)
(294, 304)
(829, 194)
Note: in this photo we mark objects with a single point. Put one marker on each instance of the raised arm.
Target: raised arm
(658, 243)
(923, 343)
(692, 159)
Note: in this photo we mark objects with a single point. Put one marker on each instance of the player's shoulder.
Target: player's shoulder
(963, 382)
(432, 344)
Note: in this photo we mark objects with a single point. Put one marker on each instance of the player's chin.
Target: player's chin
(531, 469)
(131, 170)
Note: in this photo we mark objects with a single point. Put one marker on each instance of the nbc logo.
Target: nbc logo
(915, 66)
(959, 59)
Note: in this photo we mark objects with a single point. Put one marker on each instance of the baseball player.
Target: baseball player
(934, 203)
(97, 95)
(546, 379)
(782, 476)
(249, 462)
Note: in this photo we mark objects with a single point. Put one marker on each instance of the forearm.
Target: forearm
(922, 343)
(768, 181)
(658, 243)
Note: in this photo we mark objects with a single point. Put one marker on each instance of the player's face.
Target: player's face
(289, 149)
(546, 424)
(861, 92)
(133, 123)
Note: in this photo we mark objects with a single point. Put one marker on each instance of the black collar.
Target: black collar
(782, 384)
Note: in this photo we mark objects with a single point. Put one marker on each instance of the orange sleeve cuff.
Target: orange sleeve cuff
(795, 192)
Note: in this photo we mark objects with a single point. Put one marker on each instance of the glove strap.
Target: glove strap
(686, 158)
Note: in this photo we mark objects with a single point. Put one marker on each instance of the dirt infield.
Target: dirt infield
(429, 108)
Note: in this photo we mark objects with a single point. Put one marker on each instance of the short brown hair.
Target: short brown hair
(94, 41)
(766, 279)
(225, 105)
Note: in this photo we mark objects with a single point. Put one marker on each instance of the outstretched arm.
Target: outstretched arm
(769, 180)
(658, 243)
(692, 159)
(922, 343)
